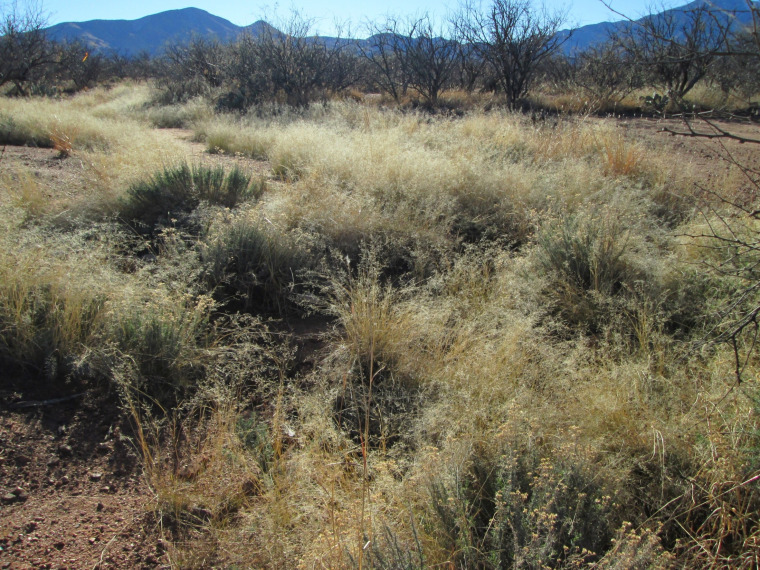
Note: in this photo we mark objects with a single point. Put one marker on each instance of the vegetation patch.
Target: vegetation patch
(180, 189)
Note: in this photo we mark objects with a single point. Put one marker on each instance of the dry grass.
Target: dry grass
(499, 363)
(104, 128)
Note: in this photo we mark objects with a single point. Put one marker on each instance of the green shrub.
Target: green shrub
(584, 258)
(247, 258)
(522, 510)
(181, 188)
(161, 339)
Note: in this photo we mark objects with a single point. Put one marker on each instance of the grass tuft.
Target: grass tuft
(181, 189)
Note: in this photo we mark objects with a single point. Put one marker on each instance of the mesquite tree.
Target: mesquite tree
(513, 37)
(25, 50)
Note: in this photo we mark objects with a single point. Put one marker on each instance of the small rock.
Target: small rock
(100, 507)
(9, 498)
(53, 461)
(65, 450)
(92, 540)
(64, 480)
(104, 448)
(59, 545)
(150, 559)
(96, 476)
(105, 489)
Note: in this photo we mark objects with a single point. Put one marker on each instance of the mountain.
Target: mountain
(728, 12)
(152, 33)
(149, 34)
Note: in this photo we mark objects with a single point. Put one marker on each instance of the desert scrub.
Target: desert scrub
(486, 176)
(249, 261)
(103, 127)
(42, 122)
(51, 308)
(161, 337)
(521, 509)
(181, 188)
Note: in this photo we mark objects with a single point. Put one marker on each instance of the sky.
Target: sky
(324, 13)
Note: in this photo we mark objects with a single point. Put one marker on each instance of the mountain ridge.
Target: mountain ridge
(152, 33)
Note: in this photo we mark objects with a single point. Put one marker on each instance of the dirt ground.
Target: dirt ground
(709, 158)
(72, 490)
(72, 494)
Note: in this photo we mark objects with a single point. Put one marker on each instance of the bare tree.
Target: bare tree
(25, 50)
(675, 48)
(428, 58)
(191, 69)
(380, 51)
(738, 68)
(79, 66)
(605, 74)
(289, 65)
(470, 68)
(513, 38)
(732, 226)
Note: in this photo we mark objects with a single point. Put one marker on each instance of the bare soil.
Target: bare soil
(711, 157)
(71, 486)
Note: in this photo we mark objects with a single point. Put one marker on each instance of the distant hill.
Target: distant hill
(152, 33)
(734, 12)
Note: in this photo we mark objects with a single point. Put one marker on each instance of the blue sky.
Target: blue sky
(323, 12)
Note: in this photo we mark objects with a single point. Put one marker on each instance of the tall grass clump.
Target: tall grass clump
(370, 312)
(181, 188)
(587, 252)
(45, 122)
(51, 310)
(179, 116)
(160, 339)
(66, 310)
(223, 136)
(14, 132)
(586, 259)
(248, 260)
(47, 322)
(26, 192)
